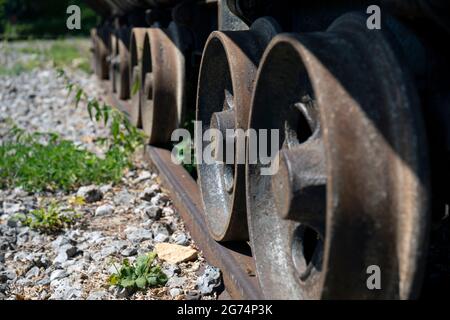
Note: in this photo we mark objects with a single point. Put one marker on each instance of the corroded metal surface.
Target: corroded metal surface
(136, 55)
(360, 137)
(234, 259)
(163, 79)
(227, 73)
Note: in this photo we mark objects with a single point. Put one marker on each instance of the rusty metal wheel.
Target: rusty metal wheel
(93, 49)
(112, 61)
(227, 75)
(119, 60)
(351, 190)
(101, 52)
(163, 83)
(136, 52)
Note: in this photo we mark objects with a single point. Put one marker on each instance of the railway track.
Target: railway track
(361, 124)
(234, 259)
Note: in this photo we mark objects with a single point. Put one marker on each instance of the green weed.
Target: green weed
(61, 53)
(140, 275)
(45, 161)
(50, 220)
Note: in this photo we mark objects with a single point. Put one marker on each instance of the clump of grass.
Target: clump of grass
(64, 54)
(50, 220)
(140, 275)
(46, 162)
(20, 67)
(61, 53)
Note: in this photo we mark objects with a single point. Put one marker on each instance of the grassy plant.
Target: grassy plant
(44, 161)
(20, 67)
(140, 275)
(60, 53)
(123, 135)
(50, 220)
(64, 54)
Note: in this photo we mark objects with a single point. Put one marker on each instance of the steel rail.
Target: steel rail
(234, 258)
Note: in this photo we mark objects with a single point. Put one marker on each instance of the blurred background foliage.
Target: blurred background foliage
(24, 19)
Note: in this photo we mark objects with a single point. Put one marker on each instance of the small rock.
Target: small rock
(97, 295)
(176, 282)
(123, 293)
(90, 193)
(12, 222)
(104, 210)
(160, 199)
(41, 262)
(44, 281)
(12, 208)
(137, 235)
(76, 268)
(106, 188)
(145, 175)
(160, 228)
(150, 192)
(59, 242)
(65, 252)
(152, 212)
(160, 237)
(19, 193)
(174, 292)
(210, 280)
(7, 275)
(58, 274)
(123, 198)
(128, 252)
(174, 253)
(180, 238)
(171, 270)
(33, 272)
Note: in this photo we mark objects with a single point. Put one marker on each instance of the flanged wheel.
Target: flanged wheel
(93, 49)
(101, 52)
(112, 61)
(227, 75)
(163, 83)
(136, 52)
(120, 63)
(351, 190)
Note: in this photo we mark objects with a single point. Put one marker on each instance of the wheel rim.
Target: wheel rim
(226, 80)
(121, 66)
(102, 52)
(359, 220)
(163, 78)
(136, 52)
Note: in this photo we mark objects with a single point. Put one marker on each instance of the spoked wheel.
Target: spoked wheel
(101, 52)
(163, 84)
(227, 73)
(136, 52)
(351, 190)
(120, 67)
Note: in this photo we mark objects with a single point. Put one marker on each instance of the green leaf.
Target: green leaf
(141, 282)
(127, 283)
(136, 87)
